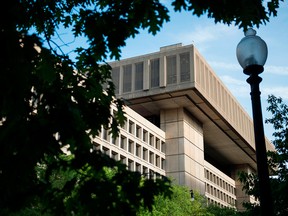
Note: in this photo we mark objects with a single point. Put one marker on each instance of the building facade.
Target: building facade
(184, 123)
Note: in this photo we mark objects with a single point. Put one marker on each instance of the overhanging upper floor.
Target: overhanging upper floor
(178, 76)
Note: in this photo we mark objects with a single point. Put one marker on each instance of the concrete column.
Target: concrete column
(241, 196)
(184, 148)
(146, 74)
(163, 72)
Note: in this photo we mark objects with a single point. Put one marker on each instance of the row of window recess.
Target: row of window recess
(137, 149)
(131, 76)
(138, 132)
(131, 164)
(211, 201)
(219, 181)
(221, 195)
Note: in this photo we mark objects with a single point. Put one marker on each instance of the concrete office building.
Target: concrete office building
(184, 123)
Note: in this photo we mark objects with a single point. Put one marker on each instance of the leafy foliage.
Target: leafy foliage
(278, 161)
(243, 13)
(225, 211)
(181, 204)
(48, 101)
(279, 158)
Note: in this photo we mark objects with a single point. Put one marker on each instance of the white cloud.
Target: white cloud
(232, 81)
(203, 34)
(278, 91)
(225, 66)
(271, 69)
(277, 70)
(240, 88)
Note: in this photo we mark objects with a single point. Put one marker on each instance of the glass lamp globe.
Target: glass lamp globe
(251, 50)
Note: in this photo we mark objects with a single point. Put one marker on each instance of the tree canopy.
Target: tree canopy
(243, 13)
(48, 101)
(278, 161)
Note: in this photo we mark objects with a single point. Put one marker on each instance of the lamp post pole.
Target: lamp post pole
(266, 202)
(252, 54)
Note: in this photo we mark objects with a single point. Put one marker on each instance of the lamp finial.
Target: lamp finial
(250, 32)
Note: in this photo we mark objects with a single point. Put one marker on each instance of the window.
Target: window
(151, 157)
(116, 78)
(145, 154)
(207, 174)
(162, 163)
(138, 150)
(171, 69)
(124, 126)
(123, 143)
(105, 134)
(127, 78)
(154, 72)
(131, 127)
(145, 135)
(184, 67)
(157, 143)
(145, 172)
(96, 147)
(139, 76)
(106, 151)
(131, 146)
(114, 155)
(114, 140)
(138, 131)
(130, 165)
(123, 159)
(157, 160)
(151, 174)
(151, 140)
(163, 147)
(138, 167)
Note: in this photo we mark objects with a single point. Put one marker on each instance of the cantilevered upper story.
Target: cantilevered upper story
(178, 76)
(205, 126)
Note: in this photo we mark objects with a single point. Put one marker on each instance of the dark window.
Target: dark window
(116, 78)
(139, 76)
(171, 69)
(154, 72)
(131, 146)
(138, 150)
(123, 142)
(127, 78)
(184, 67)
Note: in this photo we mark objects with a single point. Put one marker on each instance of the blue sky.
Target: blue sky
(217, 43)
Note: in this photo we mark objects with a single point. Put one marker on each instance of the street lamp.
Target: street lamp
(252, 54)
